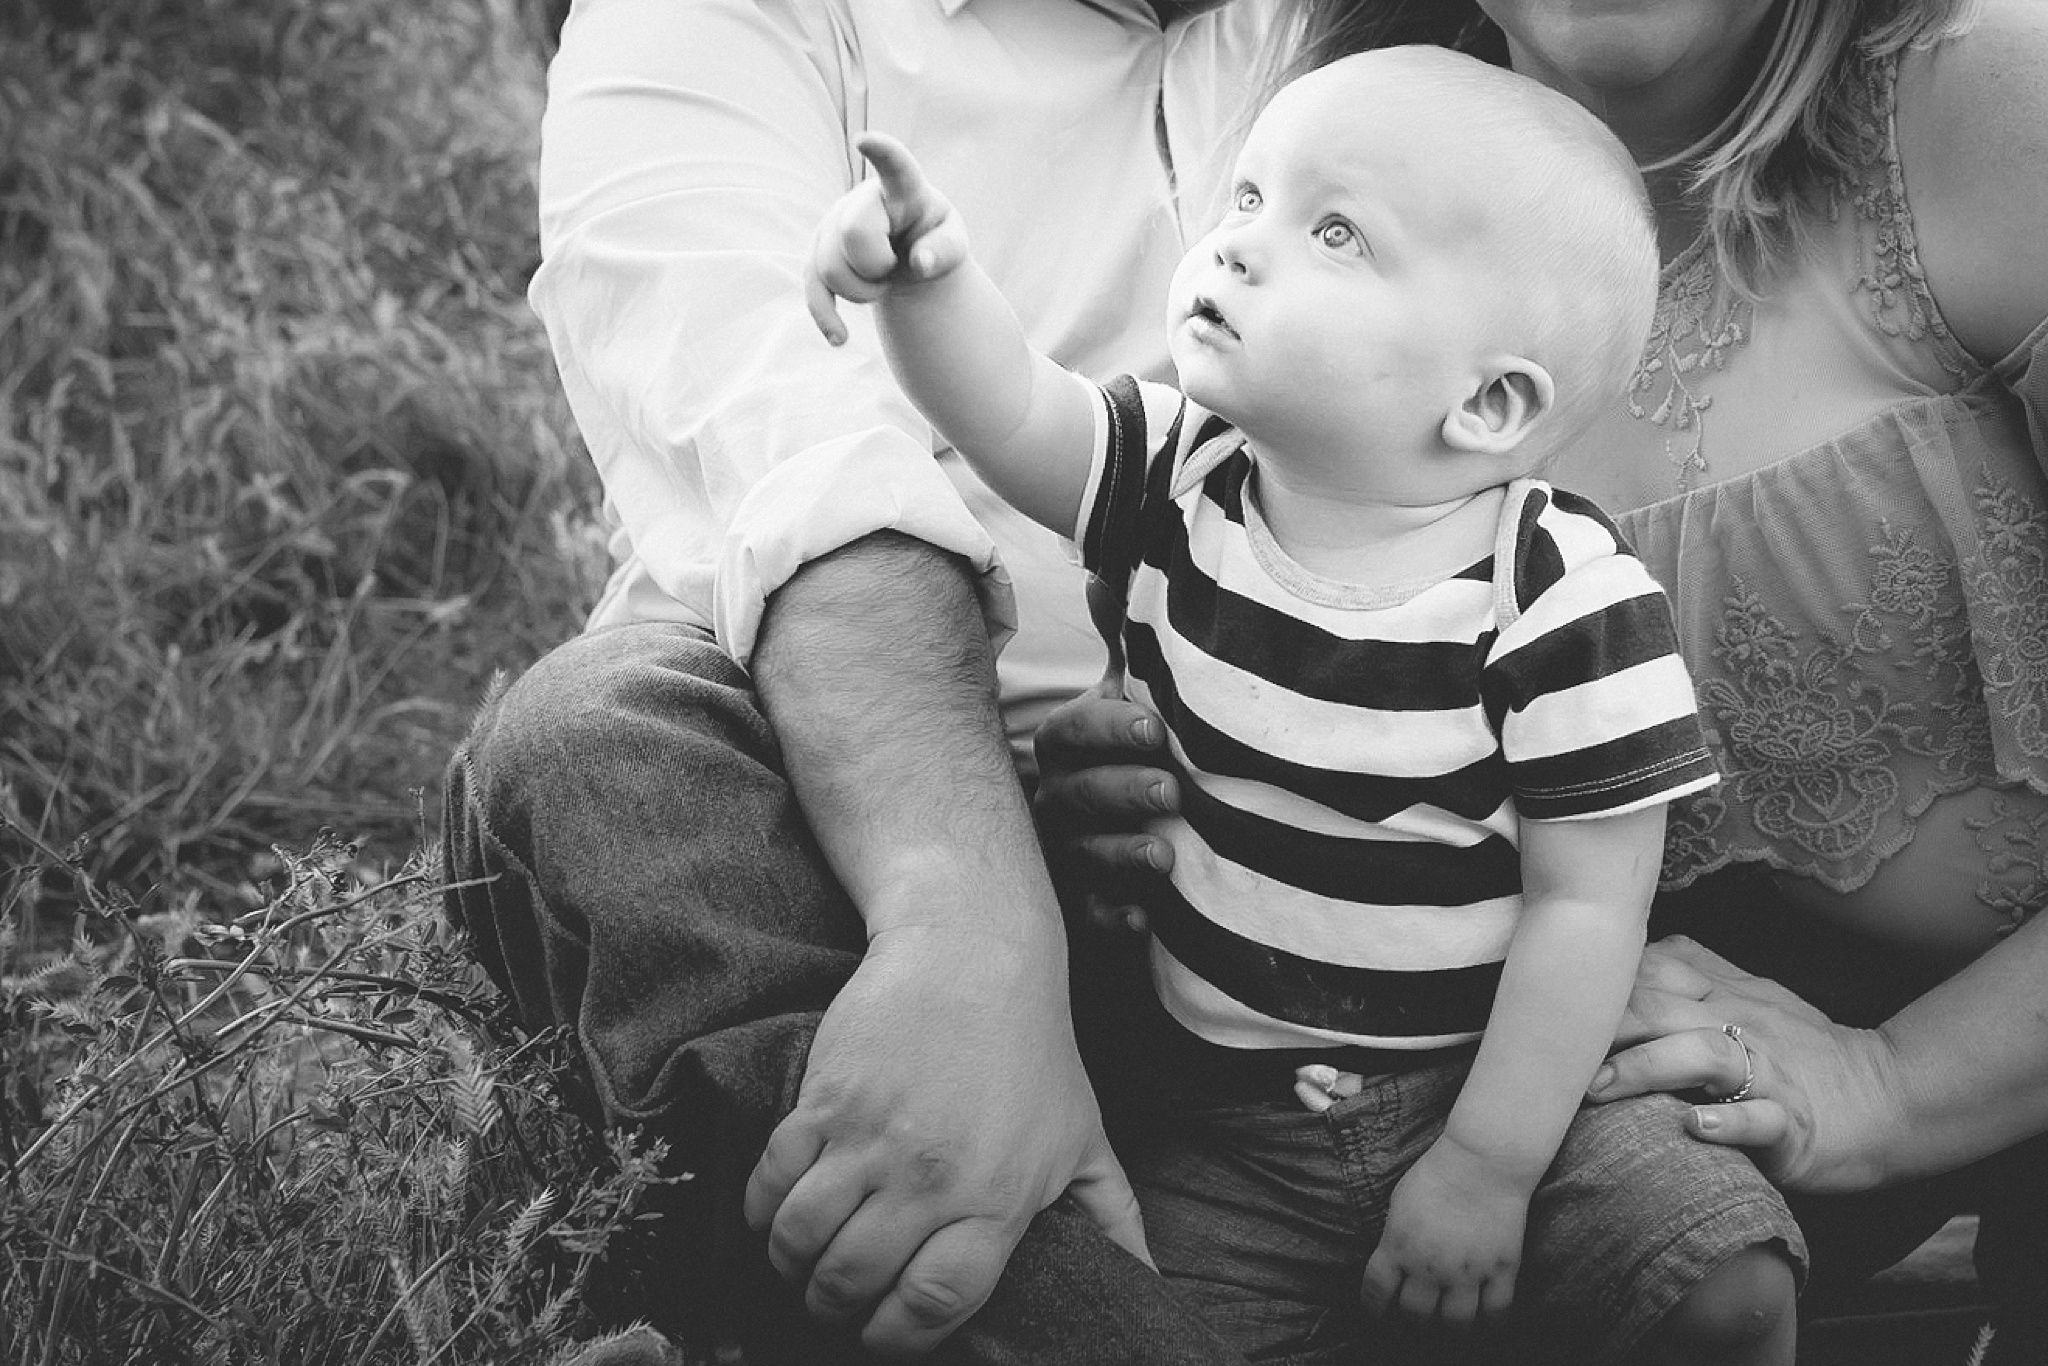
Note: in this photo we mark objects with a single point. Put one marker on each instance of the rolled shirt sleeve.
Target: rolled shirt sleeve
(834, 492)
(689, 151)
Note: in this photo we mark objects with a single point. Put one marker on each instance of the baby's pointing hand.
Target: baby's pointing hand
(886, 230)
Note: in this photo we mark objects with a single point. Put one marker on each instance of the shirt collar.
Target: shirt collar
(1203, 460)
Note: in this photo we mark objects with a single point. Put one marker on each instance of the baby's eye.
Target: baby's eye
(1247, 199)
(1337, 235)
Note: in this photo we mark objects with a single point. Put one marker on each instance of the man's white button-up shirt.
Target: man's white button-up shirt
(690, 149)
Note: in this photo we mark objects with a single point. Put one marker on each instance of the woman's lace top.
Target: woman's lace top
(1857, 548)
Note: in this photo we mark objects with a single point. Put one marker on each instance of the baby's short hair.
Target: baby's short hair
(1581, 241)
(1583, 253)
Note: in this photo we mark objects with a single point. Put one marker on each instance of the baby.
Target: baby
(1429, 708)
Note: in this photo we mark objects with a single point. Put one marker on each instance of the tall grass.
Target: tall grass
(284, 471)
(296, 1136)
(285, 477)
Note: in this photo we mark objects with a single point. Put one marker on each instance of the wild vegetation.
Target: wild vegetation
(285, 478)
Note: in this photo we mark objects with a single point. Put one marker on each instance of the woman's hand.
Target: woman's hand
(1101, 778)
(1820, 1098)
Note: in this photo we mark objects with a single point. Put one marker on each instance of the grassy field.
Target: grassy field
(285, 477)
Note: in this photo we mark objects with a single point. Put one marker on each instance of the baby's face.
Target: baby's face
(1343, 304)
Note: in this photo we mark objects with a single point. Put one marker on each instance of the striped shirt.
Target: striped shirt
(1359, 758)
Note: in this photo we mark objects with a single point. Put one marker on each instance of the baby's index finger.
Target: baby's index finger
(903, 183)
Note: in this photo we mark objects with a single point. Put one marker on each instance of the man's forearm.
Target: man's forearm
(875, 669)
(943, 1104)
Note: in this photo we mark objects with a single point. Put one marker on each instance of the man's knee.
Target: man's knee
(599, 697)
(626, 799)
(604, 727)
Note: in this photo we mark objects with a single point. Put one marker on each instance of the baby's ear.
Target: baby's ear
(1512, 397)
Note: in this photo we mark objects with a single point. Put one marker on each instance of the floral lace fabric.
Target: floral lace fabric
(1866, 619)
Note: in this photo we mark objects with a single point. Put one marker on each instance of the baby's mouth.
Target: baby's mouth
(1206, 311)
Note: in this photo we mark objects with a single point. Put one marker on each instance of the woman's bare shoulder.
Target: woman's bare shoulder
(1973, 143)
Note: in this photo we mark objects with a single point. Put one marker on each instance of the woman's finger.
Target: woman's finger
(1689, 960)
(1687, 949)
(1736, 994)
(1651, 1014)
(1757, 1125)
(1666, 968)
(1692, 1060)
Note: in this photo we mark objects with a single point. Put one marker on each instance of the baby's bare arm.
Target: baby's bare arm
(1025, 424)
(1586, 889)
(1453, 1241)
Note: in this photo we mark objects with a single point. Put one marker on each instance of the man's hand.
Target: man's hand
(1102, 776)
(889, 229)
(943, 1107)
(1453, 1242)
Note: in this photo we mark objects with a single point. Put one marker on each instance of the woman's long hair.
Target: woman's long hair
(1803, 119)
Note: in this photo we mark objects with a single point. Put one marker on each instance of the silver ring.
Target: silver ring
(1734, 1031)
